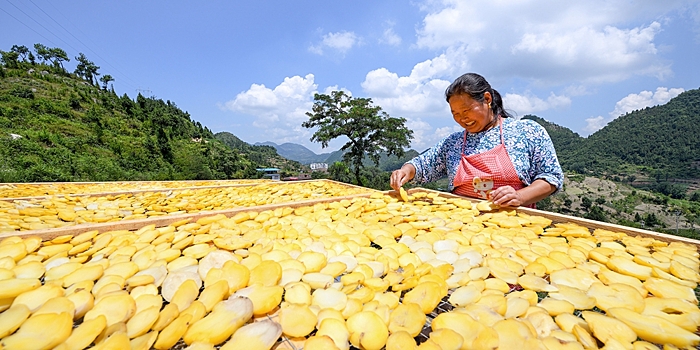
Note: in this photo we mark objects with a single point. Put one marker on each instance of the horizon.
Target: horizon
(251, 69)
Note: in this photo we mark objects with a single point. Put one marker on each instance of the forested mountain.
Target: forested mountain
(663, 139)
(658, 142)
(62, 126)
(296, 152)
(565, 141)
(304, 155)
(385, 163)
(263, 155)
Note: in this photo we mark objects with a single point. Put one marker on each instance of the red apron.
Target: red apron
(479, 174)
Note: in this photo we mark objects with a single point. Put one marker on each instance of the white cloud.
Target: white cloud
(577, 90)
(406, 96)
(588, 41)
(644, 99)
(421, 93)
(330, 89)
(340, 42)
(422, 136)
(453, 23)
(595, 124)
(447, 130)
(528, 103)
(279, 111)
(390, 37)
(633, 102)
(611, 54)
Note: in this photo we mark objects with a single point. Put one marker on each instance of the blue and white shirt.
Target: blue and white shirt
(529, 147)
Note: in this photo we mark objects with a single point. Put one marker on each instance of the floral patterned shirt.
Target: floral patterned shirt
(528, 144)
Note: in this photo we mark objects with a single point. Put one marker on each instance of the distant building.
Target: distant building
(302, 176)
(270, 173)
(319, 166)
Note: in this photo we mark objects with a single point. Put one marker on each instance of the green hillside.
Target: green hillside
(663, 139)
(566, 142)
(655, 148)
(262, 155)
(61, 126)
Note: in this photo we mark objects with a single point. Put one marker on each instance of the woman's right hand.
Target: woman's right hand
(401, 176)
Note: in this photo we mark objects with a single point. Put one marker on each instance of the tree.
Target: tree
(545, 204)
(586, 202)
(86, 69)
(10, 59)
(568, 202)
(58, 56)
(695, 197)
(369, 129)
(105, 80)
(21, 50)
(596, 213)
(651, 220)
(43, 52)
(339, 172)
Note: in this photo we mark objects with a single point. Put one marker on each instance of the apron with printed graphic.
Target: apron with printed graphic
(479, 174)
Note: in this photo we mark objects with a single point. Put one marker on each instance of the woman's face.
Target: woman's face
(472, 115)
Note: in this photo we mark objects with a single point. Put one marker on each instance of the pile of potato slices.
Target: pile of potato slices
(67, 210)
(22, 190)
(366, 273)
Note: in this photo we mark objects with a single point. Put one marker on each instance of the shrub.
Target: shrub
(22, 92)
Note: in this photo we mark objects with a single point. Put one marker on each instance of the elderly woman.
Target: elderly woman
(511, 162)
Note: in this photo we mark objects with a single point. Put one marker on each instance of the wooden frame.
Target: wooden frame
(165, 220)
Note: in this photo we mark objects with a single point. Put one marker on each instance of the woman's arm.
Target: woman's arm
(544, 163)
(544, 171)
(428, 166)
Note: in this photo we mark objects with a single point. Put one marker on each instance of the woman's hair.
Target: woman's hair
(475, 86)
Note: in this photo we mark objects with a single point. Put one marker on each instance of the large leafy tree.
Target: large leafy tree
(369, 129)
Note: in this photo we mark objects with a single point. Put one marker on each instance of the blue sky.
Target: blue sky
(251, 68)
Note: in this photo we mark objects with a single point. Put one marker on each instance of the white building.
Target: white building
(318, 166)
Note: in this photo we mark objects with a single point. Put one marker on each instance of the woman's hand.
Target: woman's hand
(400, 177)
(506, 196)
